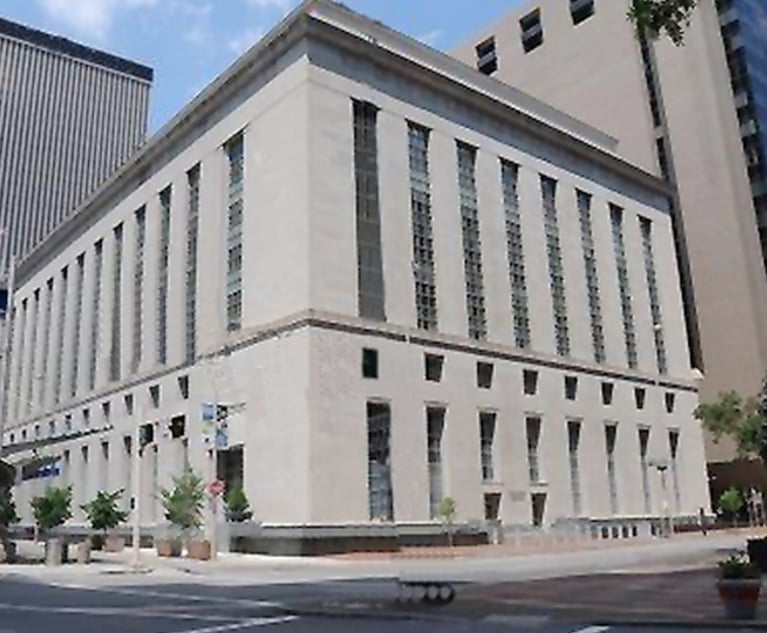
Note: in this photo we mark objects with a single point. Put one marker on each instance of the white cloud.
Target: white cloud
(90, 17)
(431, 38)
(245, 40)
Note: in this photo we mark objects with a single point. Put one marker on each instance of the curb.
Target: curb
(717, 625)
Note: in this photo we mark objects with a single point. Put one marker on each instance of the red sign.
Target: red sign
(216, 488)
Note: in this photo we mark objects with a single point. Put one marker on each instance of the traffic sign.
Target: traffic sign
(216, 488)
(208, 411)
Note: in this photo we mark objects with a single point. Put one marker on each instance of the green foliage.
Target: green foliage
(731, 502)
(8, 514)
(53, 508)
(658, 17)
(742, 420)
(446, 512)
(183, 505)
(736, 567)
(103, 512)
(236, 501)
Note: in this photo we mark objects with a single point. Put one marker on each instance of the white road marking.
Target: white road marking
(593, 629)
(245, 624)
(123, 612)
(521, 621)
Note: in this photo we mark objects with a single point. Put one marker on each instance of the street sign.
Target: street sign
(208, 411)
(222, 436)
(216, 488)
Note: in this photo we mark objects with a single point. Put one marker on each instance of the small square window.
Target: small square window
(487, 58)
(531, 31)
(177, 426)
(639, 397)
(106, 410)
(484, 375)
(607, 393)
(154, 396)
(370, 363)
(183, 387)
(128, 400)
(571, 387)
(433, 364)
(530, 380)
(581, 10)
(670, 402)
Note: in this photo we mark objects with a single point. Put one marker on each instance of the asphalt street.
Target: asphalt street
(32, 607)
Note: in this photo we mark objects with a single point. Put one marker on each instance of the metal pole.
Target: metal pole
(214, 498)
(137, 497)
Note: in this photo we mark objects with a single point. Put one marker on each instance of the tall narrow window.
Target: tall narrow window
(533, 427)
(592, 280)
(380, 497)
(611, 434)
(515, 252)
(138, 288)
(61, 317)
(472, 245)
(616, 219)
(423, 237)
(531, 30)
(487, 57)
(46, 335)
(235, 151)
(644, 443)
(573, 451)
(34, 318)
(79, 288)
(96, 312)
(115, 359)
(370, 288)
(435, 423)
(162, 277)
(556, 270)
(652, 289)
(190, 291)
(673, 440)
(487, 444)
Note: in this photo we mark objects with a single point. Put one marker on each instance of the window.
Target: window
(86, 418)
(556, 269)
(79, 287)
(616, 219)
(138, 288)
(673, 440)
(581, 10)
(68, 423)
(611, 434)
(644, 443)
(592, 279)
(472, 245)
(486, 442)
(370, 281)
(115, 358)
(21, 357)
(32, 369)
(515, 252)
(162, 274)
(424, 271)
(533, 428)
(370, 363)
(531, 31)
(154, 396)
(183, 387)
(652, 289)
(571, 387)
(190, 290)
(670, 399)
(530, 382)
(96, 312)
(177, 427)
(487, 58)
(106, 411)
(61, 318)
(46, 334)
(380, 494)
(435, 427)
(433, 364)
(235, 151)
(573, 450)
(639, 397)
(485, 375)
(37, 430)
(128, 400)
(608, 389)
(51, 428)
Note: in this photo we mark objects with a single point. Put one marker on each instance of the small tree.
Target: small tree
(184, 503)
(53, 508)
(731, 503)
(8, 514)
(104, 513)
(657, 17)
(742, 420)
(446, 513)
(237, 506)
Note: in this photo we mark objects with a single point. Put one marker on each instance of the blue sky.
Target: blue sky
(189, 42)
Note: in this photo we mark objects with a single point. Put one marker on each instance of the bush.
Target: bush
(8, 514)
(53, 508)
(731, 503)
(103, 512)
(738, 568)
(236, 501)
(183, 504)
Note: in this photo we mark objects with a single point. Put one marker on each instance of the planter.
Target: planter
(238, 516)
(114, 544)
(7, 551)
(83, 553)
(55, 552)
(199, 550)
(169, 548)
(740, 597)
(757, 553)
(97, 542)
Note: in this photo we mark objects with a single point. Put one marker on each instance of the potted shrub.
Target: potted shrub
(731, 503)
(183, 509)
(103, 515)
(8, 517)
(237, 506)
(739, 585)
(446, 513)
(51, 510)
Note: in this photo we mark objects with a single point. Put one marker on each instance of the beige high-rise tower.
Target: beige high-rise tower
(689, 114)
